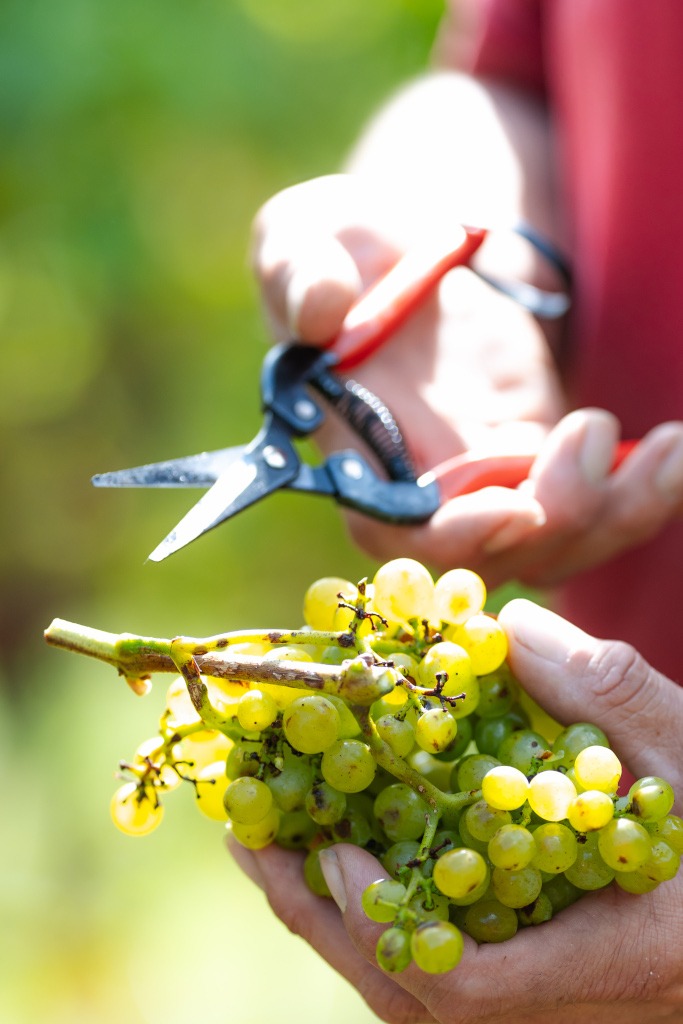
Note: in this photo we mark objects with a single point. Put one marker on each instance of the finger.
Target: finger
(460, 530)
(317, 920)
(610, 936)
(577, 678)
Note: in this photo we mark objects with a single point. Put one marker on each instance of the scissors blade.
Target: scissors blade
(263, 467)
(201, 470)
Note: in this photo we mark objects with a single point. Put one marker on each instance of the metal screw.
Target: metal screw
(273, 457)
(352, 468)
(304, 409)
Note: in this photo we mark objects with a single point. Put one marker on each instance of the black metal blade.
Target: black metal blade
(200, 470)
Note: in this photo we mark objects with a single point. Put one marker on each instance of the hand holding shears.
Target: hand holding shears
(294, 379)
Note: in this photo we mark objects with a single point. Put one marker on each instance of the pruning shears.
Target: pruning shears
(295, 377)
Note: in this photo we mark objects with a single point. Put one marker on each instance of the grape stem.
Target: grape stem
(358, 680)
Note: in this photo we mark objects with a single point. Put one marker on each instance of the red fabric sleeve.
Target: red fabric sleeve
(495, 38)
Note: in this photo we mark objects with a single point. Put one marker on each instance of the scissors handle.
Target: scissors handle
(467, 473)
(386, 305)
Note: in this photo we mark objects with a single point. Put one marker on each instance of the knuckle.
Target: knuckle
(295, 918)
(620, 676)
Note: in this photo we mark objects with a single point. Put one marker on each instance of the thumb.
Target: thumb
(578, 678)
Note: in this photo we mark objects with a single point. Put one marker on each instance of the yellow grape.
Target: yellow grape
(403, 590)
(458, 594)
(505, 788)
(485, 641)
(456, 663)
(598, 768)
(150, 752)
(134, 810)
(255, 837)
(590, 810)
(550, 795)
(321, 603)
(202, 748)
(256, 710)
(212, 783)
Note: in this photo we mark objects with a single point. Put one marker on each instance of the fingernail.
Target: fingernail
(596, 454)
(669, 475)
(245, 860)
(512, 532)
(329, 865)
(543, 633)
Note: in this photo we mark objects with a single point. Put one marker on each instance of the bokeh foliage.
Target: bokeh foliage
(138, 140)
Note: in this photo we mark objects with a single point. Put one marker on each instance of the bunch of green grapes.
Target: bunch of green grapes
(486, 815)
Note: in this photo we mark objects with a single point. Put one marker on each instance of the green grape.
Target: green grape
(505, 788)
(244, 759)
(561, 892)
(401, 812)
(489, 733)
(485, 641)
(403, 590)
(481, 892)
(598, 767)
(382, 898)
(430, 907)
(556, 848)
(348, 724)
(590, 810)
(457, 747)
(497, 694)
(570, 741)
(458, 594)
(624, 844)
(670, 829)
(431, 768)
(393, 950)
(511, 848)
(452, 661)
(651, 798)
(435, 730)
(247, 800)
(311, 724)
(484, 821)
(211, 787)
(459, 872)
(313, 876)
(469, 773)
(256, 710)
(538, 912)
(348, 766)
(290, 786)
(399, 855)
(436, 946)
(662, 864)
(353, 827)
(321, 602)
(521, 749)
(490, 921)
(467, 839)
(589, 870)
(324, 804)
(295, 831)
(261, 834)
(444, 839)
(516, 888)
(397, 732)
(635, 882)
(136, 810)
(550, 795)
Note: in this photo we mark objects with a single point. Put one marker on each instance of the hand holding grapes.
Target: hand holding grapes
(611, 956)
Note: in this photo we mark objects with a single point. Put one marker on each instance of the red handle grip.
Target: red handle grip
(466, 473)
(385, 306)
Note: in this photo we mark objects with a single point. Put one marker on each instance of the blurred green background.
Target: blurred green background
(137, 142)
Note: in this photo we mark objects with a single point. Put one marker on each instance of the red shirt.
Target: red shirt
(612, 73)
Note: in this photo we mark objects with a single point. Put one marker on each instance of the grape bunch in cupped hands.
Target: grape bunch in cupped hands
(392, 757)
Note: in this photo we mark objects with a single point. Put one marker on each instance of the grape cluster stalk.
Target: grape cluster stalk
(392, 720)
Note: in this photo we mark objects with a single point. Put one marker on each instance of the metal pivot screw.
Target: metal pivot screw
(273, 457)
(352, 468)
(304, 409)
